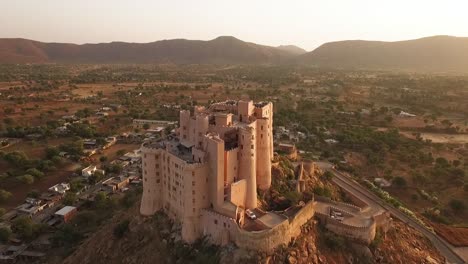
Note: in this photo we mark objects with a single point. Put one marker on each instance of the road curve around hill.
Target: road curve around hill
(355, 188)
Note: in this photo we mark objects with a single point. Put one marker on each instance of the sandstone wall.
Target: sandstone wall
(218, 228)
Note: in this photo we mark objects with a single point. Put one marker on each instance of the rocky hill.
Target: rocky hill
(222, 50)
(295, 50)
(156, 240)
(435, 54)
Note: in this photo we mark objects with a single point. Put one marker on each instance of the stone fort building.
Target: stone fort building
(207, 175)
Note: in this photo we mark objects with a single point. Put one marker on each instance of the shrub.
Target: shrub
(399, 181)
(333, 241)
(121, 228)
(66, 236)
(457, 205)
(4, 195)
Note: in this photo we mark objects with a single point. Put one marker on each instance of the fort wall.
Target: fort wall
(220, 229)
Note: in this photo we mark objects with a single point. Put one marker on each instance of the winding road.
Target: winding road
(355, 188)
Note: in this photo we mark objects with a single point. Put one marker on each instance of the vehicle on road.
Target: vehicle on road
(250, 214)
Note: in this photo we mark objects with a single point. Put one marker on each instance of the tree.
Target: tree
(328, 175)
(35, 173)
(34, 194)
(26, 228)
(76, 185)
(96, 177)
(103, 159)
(70, 198)
(66, 236)
(121, 152)
(457, 205)
(27, 179)
(4, 195)
(5, 234)
(146, 126)
(51, 152)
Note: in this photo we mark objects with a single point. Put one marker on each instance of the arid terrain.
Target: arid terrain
(403, 136)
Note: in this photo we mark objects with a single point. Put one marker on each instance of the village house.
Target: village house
(115, 184)
(90, 170)
(60, 188)
(66, 213)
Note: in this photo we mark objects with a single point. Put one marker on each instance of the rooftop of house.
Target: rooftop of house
(65, 210)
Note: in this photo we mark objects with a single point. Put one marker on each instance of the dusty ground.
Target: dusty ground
(456, 236)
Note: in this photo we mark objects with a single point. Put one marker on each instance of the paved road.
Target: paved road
(350, 185)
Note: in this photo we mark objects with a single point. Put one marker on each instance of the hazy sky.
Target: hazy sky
(306, 23)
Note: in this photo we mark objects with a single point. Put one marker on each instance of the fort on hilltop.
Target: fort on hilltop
(217, 160)
(206, 175)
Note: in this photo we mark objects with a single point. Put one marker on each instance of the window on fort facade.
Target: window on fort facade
(157, 166)
(261, 135)
(144, 155)
(146, 179)
(176, 165)
(158, 181)
(184, 127)
(193, 209)
(193, 200)
(156, 157)
(193, 173)
(184, 136)
(193, 192)
(242, 146)
(224, 224)
(193, 183)
(251, 146)
(146, 172)
(203, 197)
(216, 221)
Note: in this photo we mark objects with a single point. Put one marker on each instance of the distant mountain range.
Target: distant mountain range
(222, 50)
(434, 54)
(438, 53)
